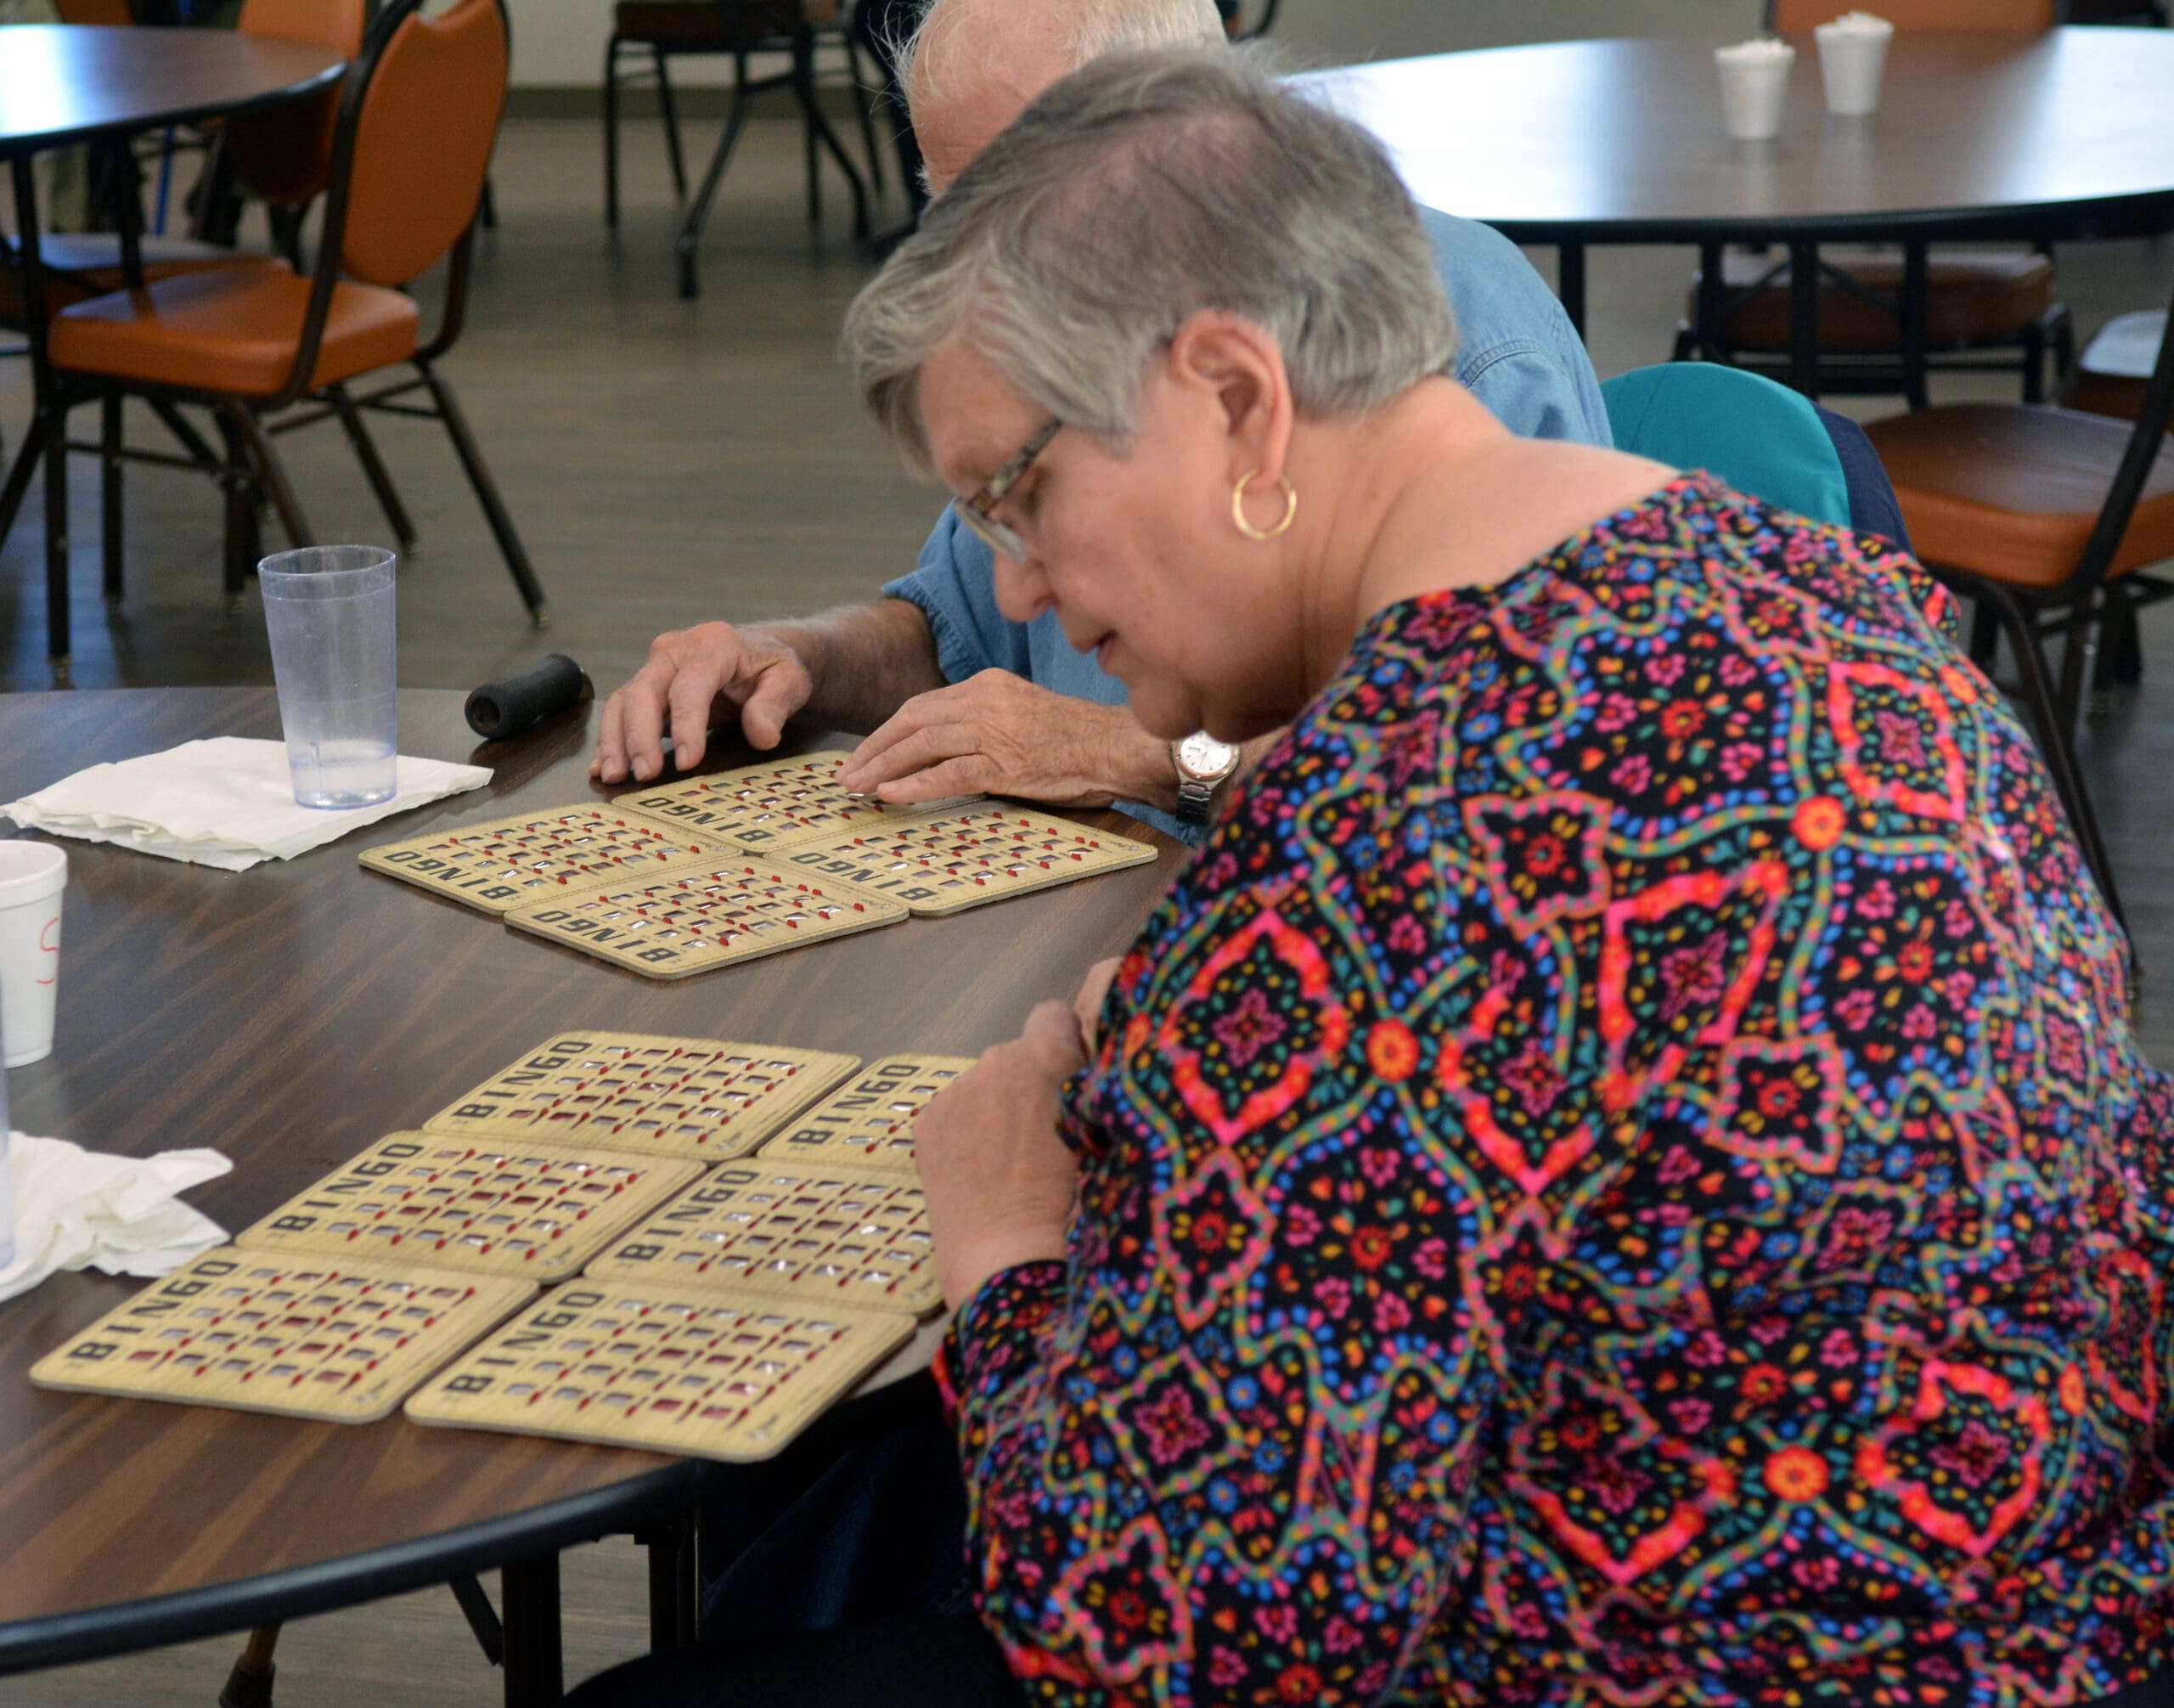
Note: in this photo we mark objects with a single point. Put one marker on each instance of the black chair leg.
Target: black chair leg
(19, 473)
(243, 546)
(189, 439)
(271, 472)
(668, 104)
(691, 228)
(818, 131)
(486, 495)
(57, 640)
(109, 511)
(611, 132)
(674, 1584)
(380, 480)
(249, 1684)
(866, 95)
(2053, 743)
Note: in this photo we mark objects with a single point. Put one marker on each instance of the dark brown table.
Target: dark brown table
(289, 1015)
(2054, 136)
(63, 83)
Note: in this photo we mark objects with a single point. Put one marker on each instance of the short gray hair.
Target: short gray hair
(1092, 28)
(1139, 192)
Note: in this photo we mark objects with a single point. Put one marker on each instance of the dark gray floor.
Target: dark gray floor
(669, 461)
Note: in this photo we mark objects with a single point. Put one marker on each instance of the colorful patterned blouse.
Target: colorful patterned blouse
(1619, 1174)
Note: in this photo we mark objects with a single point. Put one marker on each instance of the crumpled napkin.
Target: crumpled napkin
(75, 1209)
(226, 802)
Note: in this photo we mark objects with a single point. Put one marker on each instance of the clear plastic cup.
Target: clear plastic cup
(1852, 55)
(1754, 87)
(330, 611)
(33, 876)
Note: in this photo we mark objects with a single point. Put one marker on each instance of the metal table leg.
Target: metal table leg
(529, 1593)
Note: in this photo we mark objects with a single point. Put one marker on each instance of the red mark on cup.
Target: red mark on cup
(49, 940)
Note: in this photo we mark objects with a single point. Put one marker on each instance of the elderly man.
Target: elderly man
(961, 699)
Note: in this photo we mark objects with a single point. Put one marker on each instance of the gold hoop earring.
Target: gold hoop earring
(1238, 507)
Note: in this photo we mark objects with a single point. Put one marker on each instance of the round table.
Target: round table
(2064, 135)
(289, 1016)
(63, 83)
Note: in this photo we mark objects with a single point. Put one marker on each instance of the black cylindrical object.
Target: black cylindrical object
(511, 704)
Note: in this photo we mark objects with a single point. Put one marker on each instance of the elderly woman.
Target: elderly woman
(1620, 1174)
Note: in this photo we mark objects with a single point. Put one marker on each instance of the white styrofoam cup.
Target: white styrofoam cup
(33, 875)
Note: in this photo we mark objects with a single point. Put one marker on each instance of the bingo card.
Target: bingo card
(694, 921)
(704, 1098)
(526, 1208)
(869, 1121)
(816, 1235)
(703, 1374)
(337, 1340)
(963, 858)
(503, 864)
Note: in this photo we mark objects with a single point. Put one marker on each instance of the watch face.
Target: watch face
(1204, 756)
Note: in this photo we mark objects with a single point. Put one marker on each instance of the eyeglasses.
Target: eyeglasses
(978, 512)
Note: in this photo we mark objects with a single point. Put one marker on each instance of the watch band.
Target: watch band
(1195, 797)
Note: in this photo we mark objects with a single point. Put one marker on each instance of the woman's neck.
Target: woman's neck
(1433, 493)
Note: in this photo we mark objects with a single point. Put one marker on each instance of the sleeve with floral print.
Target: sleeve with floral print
(1225, 1454)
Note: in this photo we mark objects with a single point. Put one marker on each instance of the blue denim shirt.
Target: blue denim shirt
(1517, 353)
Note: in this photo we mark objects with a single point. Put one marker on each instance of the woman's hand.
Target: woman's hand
(1087, 1006)
(1000, 1182)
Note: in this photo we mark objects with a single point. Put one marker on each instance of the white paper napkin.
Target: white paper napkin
(76, 1207)
(226, 802)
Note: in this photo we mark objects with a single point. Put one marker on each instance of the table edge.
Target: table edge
(116, 1628)
(45, 141)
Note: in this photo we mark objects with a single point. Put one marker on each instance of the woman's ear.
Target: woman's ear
(1235, 371)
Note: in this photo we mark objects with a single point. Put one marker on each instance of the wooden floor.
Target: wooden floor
(670, 461)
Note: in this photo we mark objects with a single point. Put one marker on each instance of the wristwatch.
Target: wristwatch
(1204, 763)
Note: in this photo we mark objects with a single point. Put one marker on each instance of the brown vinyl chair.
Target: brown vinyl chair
(1982, 308)
(417, 120)
(282, 155)
(2046, 518)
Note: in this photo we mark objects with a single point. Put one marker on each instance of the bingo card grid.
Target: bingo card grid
(703, 1374)
(716, 915)
(817, 1236)
(706, 1099)
(871, 1121)
(946, 864)
(523, 1209)
(779, 804)
(503, 864)
(336, 1340)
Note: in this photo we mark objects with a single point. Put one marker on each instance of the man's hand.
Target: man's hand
(999, 734)
(998, 1179)
(691, 676)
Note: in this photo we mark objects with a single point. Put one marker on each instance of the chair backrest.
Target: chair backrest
(1920, 15)
(1758, 436)
(420, 131)
(2146, 444)
(284, 155)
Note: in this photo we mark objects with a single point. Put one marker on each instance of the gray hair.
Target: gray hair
(1092, 29)
(1132, 195)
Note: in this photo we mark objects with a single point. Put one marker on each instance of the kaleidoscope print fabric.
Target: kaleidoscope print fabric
(1619, 1174)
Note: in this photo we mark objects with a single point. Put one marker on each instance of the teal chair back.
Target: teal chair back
(1758, 437)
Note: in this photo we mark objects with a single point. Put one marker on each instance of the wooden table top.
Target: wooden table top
(1978, 133)
(61, 82)
(289, 1015)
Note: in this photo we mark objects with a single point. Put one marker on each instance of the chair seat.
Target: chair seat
(80, 265)
(232, 332)
(2012, 493)
(2109, 378)
(1970, 297)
